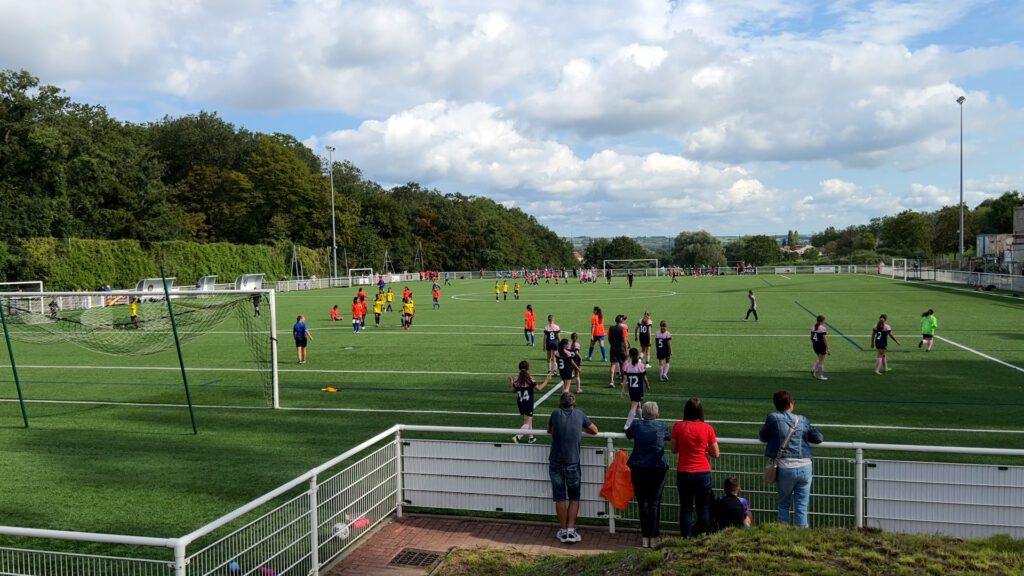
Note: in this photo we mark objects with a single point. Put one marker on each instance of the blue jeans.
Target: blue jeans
(694, 488)
(565, 481)
(794, 487)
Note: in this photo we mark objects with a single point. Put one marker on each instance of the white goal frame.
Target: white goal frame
(79, 300)
(360, 276)
(606, 265)
(16, 286)
(899, 268)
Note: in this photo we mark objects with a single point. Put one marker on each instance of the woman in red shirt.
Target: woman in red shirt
(694, 441)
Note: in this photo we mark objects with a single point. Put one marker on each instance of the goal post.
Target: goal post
(360, 276)
(25, 286)
(899, 268)
(132, 323)
(639, 266)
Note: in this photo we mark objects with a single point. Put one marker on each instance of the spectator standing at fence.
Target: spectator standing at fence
(695, 441)
(928, 325)
(752, 307)
(566, 427)
(794, 474)
(648, 466)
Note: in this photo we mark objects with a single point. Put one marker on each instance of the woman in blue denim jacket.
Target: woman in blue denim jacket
(793, 481)
(648, 465)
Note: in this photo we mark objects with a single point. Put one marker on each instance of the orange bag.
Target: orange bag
(618, 486)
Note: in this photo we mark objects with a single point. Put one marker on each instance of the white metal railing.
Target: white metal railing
(307, 522)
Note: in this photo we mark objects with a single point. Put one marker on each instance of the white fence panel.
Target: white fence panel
(492, 476)
(962, 500)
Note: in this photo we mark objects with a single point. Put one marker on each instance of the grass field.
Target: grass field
(121, 457)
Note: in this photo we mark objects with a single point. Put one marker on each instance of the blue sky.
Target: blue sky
(602, 118)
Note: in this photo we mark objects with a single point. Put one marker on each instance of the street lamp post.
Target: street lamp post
(960, 101)
(334, 231)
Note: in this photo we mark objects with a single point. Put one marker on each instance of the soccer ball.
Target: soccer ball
(341, 531)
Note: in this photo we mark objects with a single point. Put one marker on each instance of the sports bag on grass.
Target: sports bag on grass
(771, 467)
(618, 486)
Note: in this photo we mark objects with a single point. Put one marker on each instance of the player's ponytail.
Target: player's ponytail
(821, 320)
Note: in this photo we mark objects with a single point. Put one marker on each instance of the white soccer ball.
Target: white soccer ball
(341, 531)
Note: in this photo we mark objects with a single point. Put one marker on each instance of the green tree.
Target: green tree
(995, 215)
(761, 250)
(946, 230)
(734, 250)
(697, 249)
(906, 234)
(822, 238)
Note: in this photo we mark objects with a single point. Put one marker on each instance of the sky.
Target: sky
(598, 117)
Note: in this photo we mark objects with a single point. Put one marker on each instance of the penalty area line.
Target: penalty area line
(982, 354)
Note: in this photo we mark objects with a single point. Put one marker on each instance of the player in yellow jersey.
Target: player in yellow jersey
(390, 299)
(408, 311)
(378, 307)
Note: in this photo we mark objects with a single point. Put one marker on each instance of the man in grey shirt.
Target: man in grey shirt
(566, 426)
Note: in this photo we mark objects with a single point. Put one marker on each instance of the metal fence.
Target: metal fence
(303, 525)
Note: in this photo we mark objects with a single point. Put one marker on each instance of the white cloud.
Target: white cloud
(686, 105)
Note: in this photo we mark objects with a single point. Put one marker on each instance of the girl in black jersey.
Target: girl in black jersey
(643, 336)
(574, 346)
(634, 379)
(524, 386)
(567, 364)
(663, 346)
(880, 335)
(819, 342)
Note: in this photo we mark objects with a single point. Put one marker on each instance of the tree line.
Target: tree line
(70, 170)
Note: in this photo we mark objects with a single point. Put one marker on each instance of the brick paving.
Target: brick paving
(440, 534)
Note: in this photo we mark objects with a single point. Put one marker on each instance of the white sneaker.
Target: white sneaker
(561, 536)
(572, 536)
(648, 365)
(515, 439)
(532, 440)
(822, 377)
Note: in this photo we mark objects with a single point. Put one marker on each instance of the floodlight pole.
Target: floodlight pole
(334, 232)
(960, 101)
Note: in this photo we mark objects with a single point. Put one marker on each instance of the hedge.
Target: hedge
(72, 264)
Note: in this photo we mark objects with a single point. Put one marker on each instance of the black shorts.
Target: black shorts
(886, 347)
(927, 336)
(664, 354)
(636, 394)
(300, 342)
(618, 355)
(567, 373)
(645, 341)
(549, 345)
(525, 408)
(820, 348)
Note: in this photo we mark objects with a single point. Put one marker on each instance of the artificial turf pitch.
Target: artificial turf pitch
(122, 458)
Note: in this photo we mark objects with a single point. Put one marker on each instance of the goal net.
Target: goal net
(25, 286)
(899, 268)
(639, 267)
(129, 323)
(360, 276)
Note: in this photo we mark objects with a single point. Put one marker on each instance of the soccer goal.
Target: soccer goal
(360, 276)
(639, 267)
(132, 323)
(899, 268)
(26, 286)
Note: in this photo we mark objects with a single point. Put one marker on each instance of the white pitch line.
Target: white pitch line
(982, 354)
(548, 395)
(468, 413)
(294, 370)
(784, 276)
